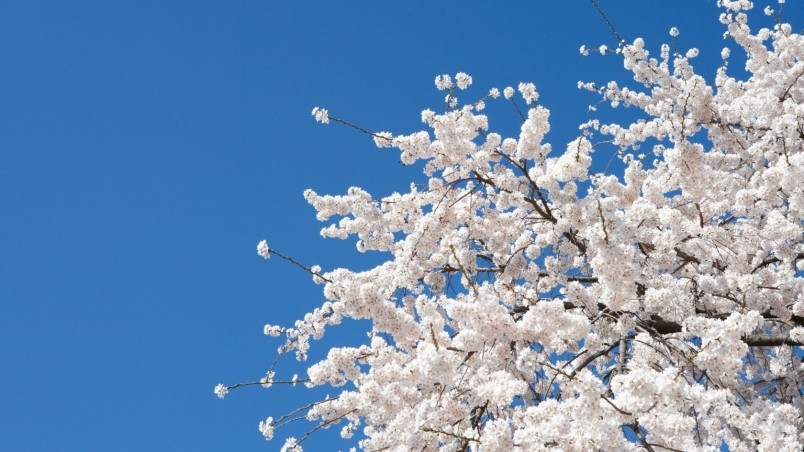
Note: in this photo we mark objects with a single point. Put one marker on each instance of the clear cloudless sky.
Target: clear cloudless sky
(146, 147)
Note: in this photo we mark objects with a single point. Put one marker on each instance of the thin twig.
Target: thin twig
(608, 22)
(356, 127)
(261, 383)
(298, 264)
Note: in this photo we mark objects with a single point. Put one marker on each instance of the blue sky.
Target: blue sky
(146, 147)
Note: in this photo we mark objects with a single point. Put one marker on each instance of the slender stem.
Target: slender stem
(356, 127)
(298, 264)
(608, 22)
(255, 383)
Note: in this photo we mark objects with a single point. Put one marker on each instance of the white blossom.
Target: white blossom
(528, 91)
(221, 391)
(462, 80)
(443, 82)
(291, 445)
(383, 139)
(268, 380)
(267, 428)
(263, 250)
(272, 330)
(321, 115)
(508, 92)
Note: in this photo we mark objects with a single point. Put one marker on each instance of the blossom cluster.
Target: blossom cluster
(529, 302)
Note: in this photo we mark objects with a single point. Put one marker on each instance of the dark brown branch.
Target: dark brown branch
(773, 260)
(770, 340)
(593, 357)
(435, 430)
(686, 257)
(501, 268)
(657, 325)
(787, 91)
(572, 236)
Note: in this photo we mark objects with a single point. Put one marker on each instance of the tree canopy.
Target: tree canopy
(529, 302)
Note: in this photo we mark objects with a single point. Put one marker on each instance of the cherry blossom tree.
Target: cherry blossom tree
(531, 303)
